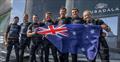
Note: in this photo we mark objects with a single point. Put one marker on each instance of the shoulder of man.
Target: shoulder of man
(42, 23)
(21, 24)
(97, 20)
(68, 17)
(18, 25)
(29, 23)
(9, 26)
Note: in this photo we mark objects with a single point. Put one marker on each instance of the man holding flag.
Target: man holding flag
(75, 20)
(35, 38)
(87, 19)
(63, 19)
(48, 20)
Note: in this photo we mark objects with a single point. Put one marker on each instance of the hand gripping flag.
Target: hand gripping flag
(74, 38)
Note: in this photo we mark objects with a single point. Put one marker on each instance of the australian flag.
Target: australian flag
(74, 38)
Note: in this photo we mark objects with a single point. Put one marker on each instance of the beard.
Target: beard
(87, 20)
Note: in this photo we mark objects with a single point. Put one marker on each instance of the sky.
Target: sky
(19, 6)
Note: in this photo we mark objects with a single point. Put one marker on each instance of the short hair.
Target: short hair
(63, 8)
(87, 11)
(48, 12)
(16, 17)
(76, 9)
(34, 16)
(26, 15)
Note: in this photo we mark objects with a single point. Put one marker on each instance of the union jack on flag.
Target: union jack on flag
(61, 30)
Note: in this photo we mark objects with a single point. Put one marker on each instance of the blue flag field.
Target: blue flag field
(74, 38)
